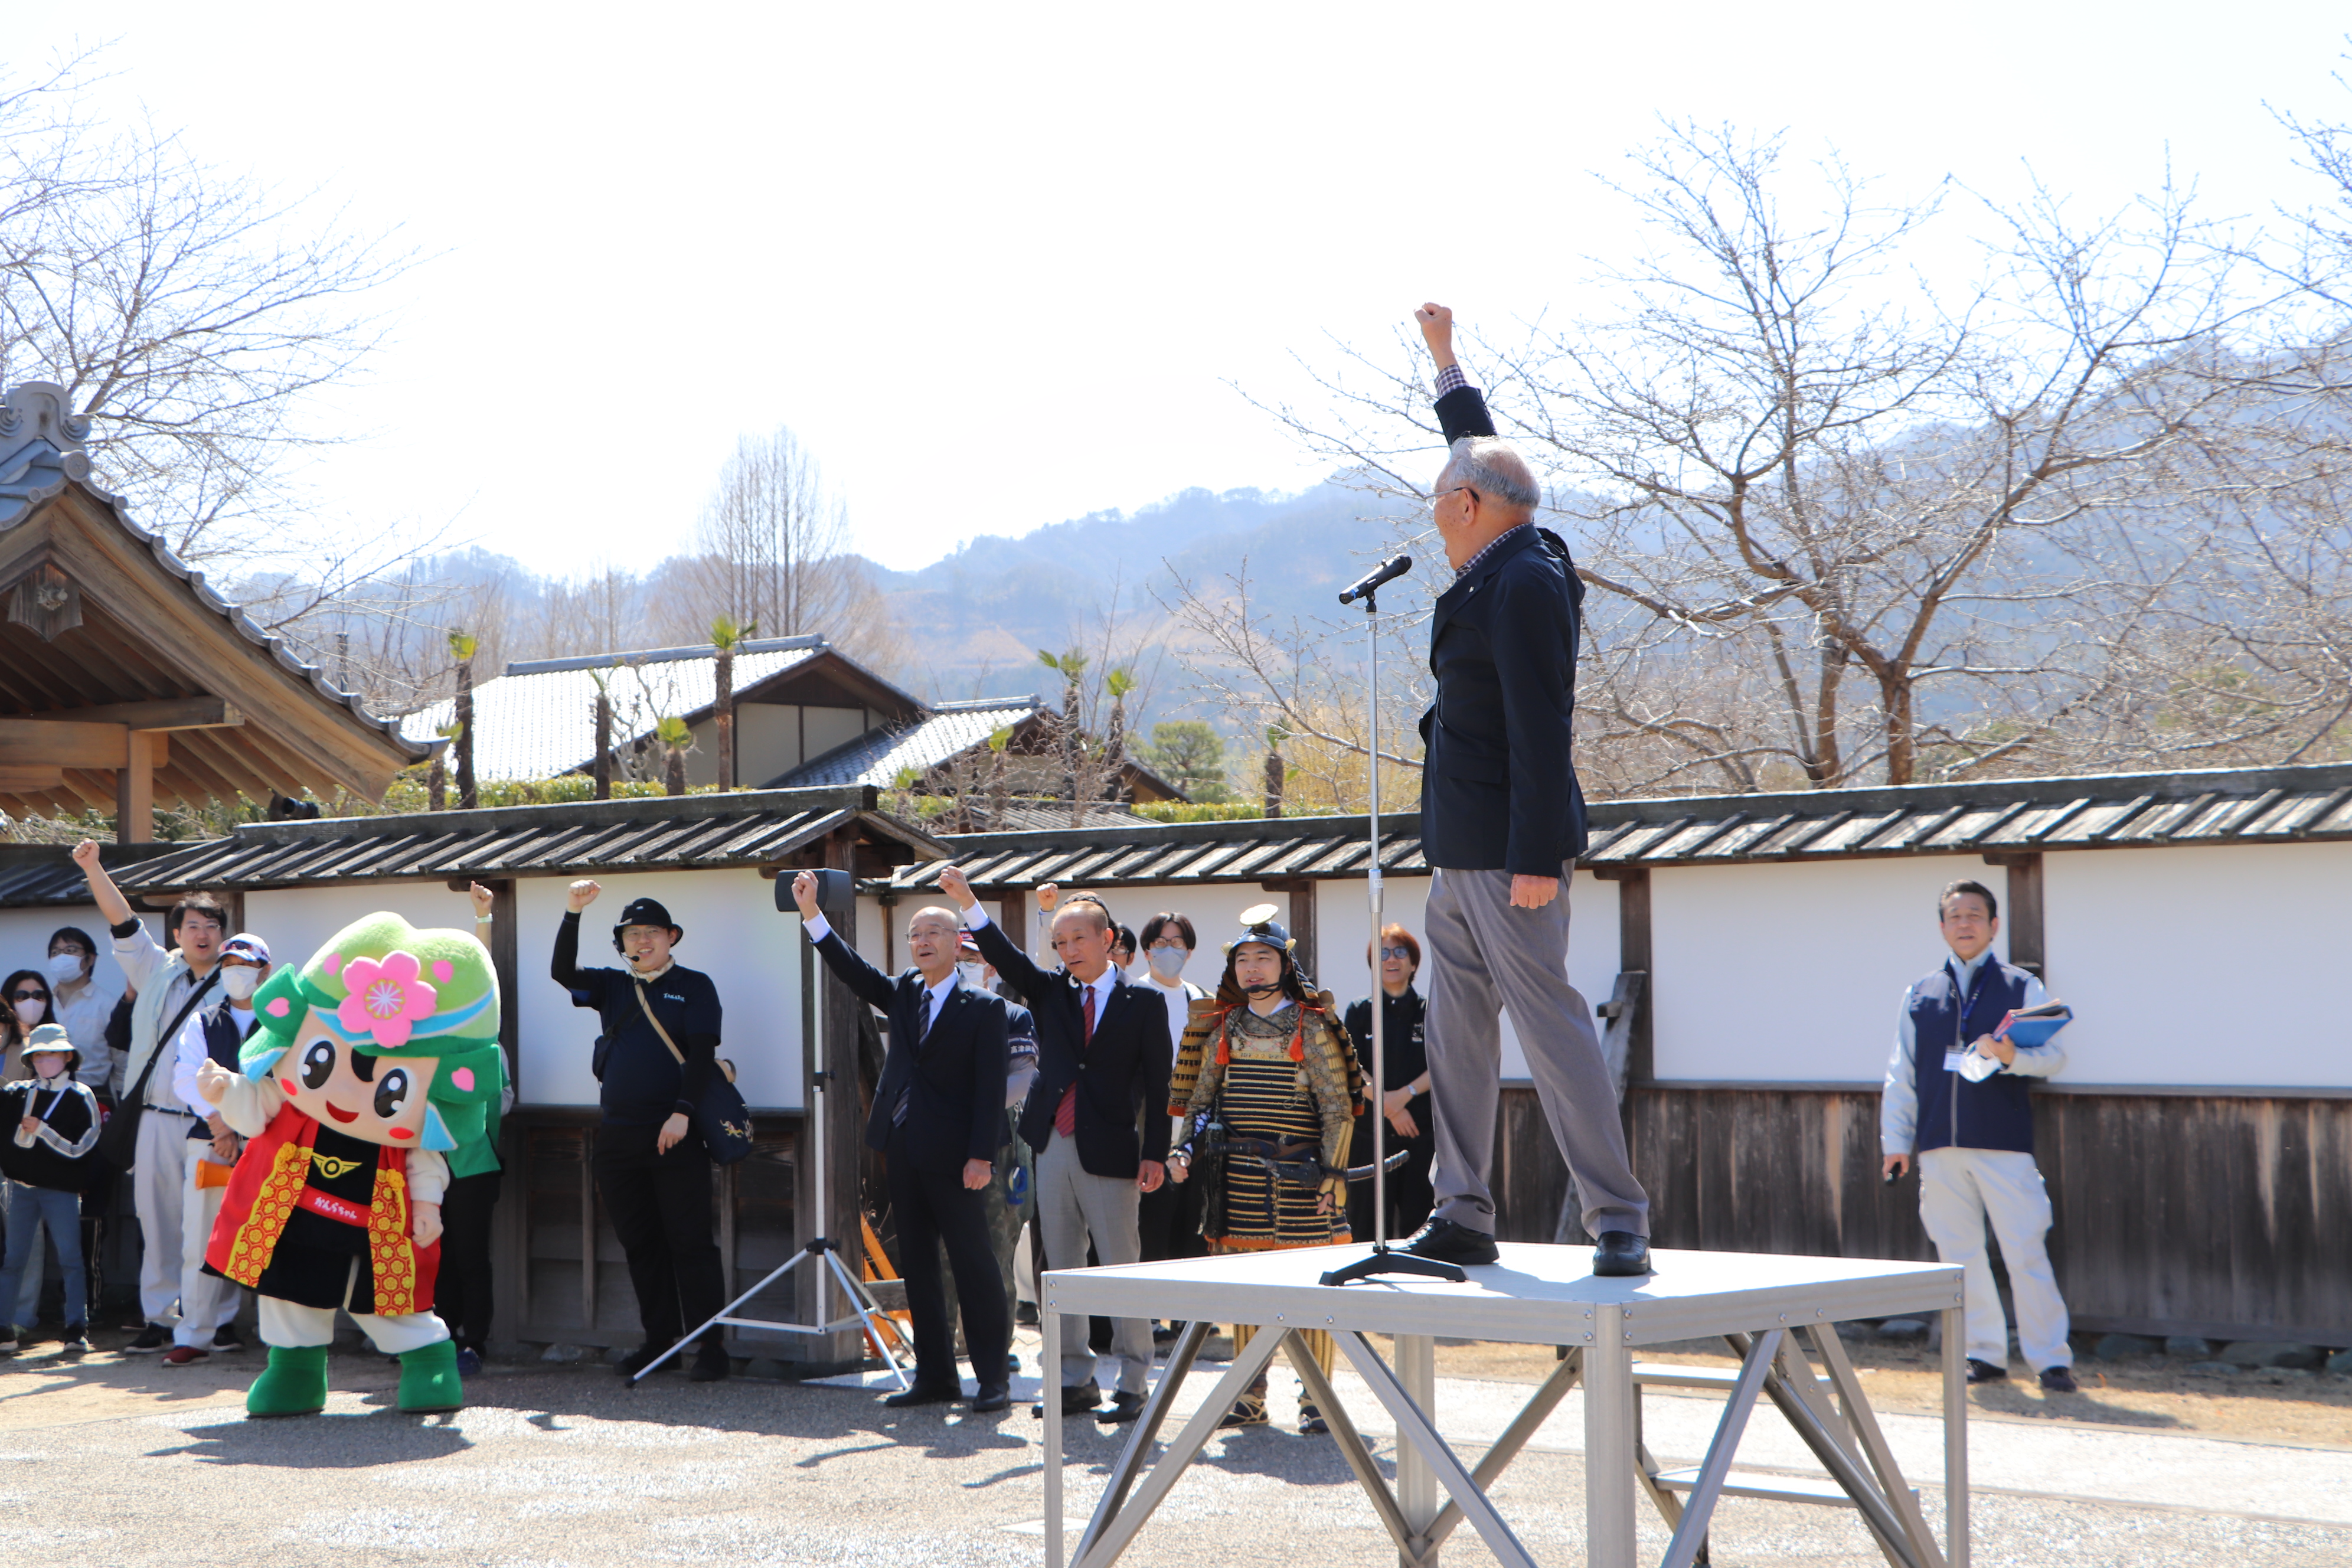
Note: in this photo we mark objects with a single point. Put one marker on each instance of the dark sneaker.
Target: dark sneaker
(470, 1363)
(77, 1341)
(644, 1356)
(2059, 1380)
(152, 1338)
(1123, 1409)
(8, 1340)
(228, 1340)
(1985, 1372)
(1450, 1243)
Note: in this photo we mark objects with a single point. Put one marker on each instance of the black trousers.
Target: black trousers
(935, 1209)
(661, 1210)
(1411, 1198)
(461, 1291)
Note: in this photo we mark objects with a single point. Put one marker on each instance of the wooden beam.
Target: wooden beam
(135, 789)
(1301, 922)
(167, 713)
(2023, 918)
(16, 780)
(32, 742)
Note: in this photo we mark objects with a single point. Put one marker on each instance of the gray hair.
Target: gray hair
(1493, 469)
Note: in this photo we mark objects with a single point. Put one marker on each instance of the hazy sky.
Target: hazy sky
(997, 265)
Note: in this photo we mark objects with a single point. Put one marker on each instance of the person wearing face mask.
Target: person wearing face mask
(214, 1033)
(48, 1161)
(661, 1023)
(171, 985)
(30, 1005)
(1171, 1217)
(82, 1005)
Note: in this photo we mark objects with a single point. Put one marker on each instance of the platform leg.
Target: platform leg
(1049, 1324)
(1609, 1540)
(1956, 1437)
(1416, 1483)
(1516, 1436)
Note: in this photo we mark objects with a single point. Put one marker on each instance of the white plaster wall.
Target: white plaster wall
(2219, 965)
(297, 921)
(732, 933)
(1770, 972)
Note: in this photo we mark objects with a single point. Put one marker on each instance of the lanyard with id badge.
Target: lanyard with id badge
(1962, 1059)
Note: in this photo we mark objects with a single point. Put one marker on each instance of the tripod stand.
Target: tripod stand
(823, 1254)
(1382, 1260)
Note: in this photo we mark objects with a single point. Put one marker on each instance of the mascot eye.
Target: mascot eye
(317, 1064)
(391, 1094)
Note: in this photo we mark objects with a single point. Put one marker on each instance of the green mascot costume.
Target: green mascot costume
(370, 1082)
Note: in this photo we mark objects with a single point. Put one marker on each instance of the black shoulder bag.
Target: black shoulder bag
(118, 1143)
(722, 1117)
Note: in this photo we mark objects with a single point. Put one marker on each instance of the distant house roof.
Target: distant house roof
(100, 614)
(878, 757)
(696, 832)
(538, 719)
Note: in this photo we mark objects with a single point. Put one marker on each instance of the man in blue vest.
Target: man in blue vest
(1973, 1131)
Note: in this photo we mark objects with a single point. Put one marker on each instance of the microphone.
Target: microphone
(1388, 571)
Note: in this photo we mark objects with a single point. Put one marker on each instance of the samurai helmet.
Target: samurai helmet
(1259, 924)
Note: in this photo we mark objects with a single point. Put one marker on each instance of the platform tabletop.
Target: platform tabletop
(1534, 1294)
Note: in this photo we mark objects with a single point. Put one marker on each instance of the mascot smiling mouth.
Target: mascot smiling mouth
(339, 1113)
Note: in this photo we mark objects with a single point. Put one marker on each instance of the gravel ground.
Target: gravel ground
(119, 1461)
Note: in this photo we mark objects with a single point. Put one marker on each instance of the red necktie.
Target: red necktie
(1065, 1115)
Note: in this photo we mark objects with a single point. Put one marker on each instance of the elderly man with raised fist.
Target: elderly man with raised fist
(1102, 1058)
(1502, 822)
(939, 1120)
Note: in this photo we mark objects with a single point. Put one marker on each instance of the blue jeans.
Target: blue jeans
(30, 1210)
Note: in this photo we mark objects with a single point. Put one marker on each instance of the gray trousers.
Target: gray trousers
(1960, 1189)
(1484, 956)
(1074, 1206)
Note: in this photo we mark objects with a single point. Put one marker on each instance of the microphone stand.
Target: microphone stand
(1382, 1260)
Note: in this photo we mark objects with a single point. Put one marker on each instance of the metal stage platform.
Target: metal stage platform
(1774, 1312)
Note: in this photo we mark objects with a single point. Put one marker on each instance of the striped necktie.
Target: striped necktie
(1065, 1115)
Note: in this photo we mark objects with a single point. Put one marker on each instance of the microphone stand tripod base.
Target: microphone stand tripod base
(1383, 1260)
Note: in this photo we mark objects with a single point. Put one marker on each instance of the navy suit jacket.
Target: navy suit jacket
(1121, 1073)
(1498, 789)
(957, 1070)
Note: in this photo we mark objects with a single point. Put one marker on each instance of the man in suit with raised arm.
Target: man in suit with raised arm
(939, 1118)
(1102, 1058)
(1502, 823)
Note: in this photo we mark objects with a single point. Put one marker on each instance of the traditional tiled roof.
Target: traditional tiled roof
(41, 453)
(877, 757)
(539, 718)
(2239, 805)
(698, 832)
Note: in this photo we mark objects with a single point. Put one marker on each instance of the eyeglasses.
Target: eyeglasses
(1169, 944)
(1389, 953)
(1447, 491)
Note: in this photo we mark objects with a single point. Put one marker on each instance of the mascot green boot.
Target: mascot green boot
(294, 1383)
(428, 1378)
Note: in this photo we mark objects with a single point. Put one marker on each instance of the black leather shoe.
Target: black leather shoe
(645, 1355)
(2059, 1380)
(1076, 1400)
(1123, 1408)
(1985, 1372)
(1620, 1254)
(1450, 1243)
(921, 1395)
(711, 1362)
(991, 1400)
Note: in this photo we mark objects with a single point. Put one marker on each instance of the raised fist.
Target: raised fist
(85, 854)
(583, 894)
(805, 894)
(1436, 324)
(956, 885)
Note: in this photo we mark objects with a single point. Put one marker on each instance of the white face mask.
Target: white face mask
(50, 1064)
(1167, 962)
(65, 967)
(969, 974)
(240, 983)
(29, 1013)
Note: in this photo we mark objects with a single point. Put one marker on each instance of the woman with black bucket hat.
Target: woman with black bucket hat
(658, 1049)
